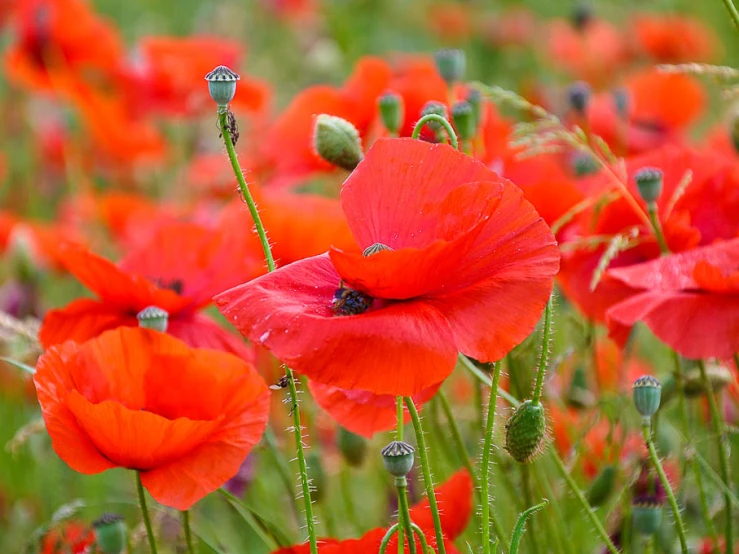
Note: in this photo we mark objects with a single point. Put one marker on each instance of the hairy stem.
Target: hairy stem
(438, 119)
(145, 514)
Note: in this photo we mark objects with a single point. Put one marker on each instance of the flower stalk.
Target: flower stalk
(145, 514)
(486, 513)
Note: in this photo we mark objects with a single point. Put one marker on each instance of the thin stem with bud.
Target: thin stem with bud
(437, 119)
(145, 514)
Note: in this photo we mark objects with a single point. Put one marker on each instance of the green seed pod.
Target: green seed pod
(602, 487)
(463, 117)
(398, 457)
(374, 249)
(525, 431)
(437, 108)
(451, 64)
(718, 376)
(153, 317)
(647, 395)
(110, 533)
(391, 111)
(646, 514)
(649, 183)
(337, 141)
(352, 447)
(317, 476)
(222, 85)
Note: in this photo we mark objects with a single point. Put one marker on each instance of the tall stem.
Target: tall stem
(403, 523)
(544, 355)
(293, 391)
(145, 514)
(423, 455)
(647, 433)
(188, 533)
(723, 457)
(654, 220)
(485, 466)
(404, 517)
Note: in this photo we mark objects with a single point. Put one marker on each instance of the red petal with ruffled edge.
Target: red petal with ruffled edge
(362, 412)
(400, 348)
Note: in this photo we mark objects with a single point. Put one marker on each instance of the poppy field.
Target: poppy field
(354, 276)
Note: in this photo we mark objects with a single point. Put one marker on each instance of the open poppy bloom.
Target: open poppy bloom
(455, 259)
(143, 400)
(672, 38)
(689, 300)
(72, 537)
(455, 500)
(178, 270)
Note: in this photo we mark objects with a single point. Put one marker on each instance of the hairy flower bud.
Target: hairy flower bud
(337, 141)
(463, 117)
(525, 431)
(451, 64)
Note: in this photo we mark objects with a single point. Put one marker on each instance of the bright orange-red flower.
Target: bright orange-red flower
(464, 264)
(143, 400)
(672, 38)
(179, 269)
(71, 537)
(454, 498)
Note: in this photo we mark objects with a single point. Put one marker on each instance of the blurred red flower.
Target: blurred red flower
(72, 537)
(139, 399)
(466, 264)
(672, 38)
(455, 500)
(179, 269)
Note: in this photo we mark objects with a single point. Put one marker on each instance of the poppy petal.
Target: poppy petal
(454, 498)
(200, 331)
(289, 311)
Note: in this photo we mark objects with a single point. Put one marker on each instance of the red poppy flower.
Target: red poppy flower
(674, 38)
(417, 81)
(71, 537)
(689, 300)
(455, 506)
(362, 412)
(139, 399)
(178, 270)
(466, 264)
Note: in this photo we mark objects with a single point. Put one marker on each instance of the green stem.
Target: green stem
(480, 376)
(484, 480)
(519, 529)
(718, 428)
(394, 528)
(649, 545)
(705, 509)
(423, 455)
(587, 508)
(404, 517)
(421, 537)
(544, 355)
(528, 499)
(438, 119)
(654, 220)
(735, 18)
(188, 533)
(298, 430)
(145, 514)
(282, 469)
(399, 418)
(647, 433)
(402, 522)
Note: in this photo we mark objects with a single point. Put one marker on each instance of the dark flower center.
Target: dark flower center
(350, 302)
(175, 285)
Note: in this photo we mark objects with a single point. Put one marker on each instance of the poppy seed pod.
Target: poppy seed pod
(110, 533)
(647, 394)
(525, 431)
(153, 317)
(646, 514)
(391, 111)
(337, 141)
(375, 248)
(352, 447)
(451, 64)
(436, 108)
(222, 85)
(398, 457)
(463, 117)
(649, 183)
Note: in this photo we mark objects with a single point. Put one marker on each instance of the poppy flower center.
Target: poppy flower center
(350, 302)
(175, 285)
(374, 249)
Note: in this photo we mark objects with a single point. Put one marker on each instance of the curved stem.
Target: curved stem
(657, 227)
(421, 537)
(485, 466)
(293, 392)
(544, 355)
(404, 517)
(647, 433)
(145, 514)
(388, 535)
(518, 530)
(718, 428)
(528, 499)
(438, 119)
(188, 533)
(423, 455)
(587, 508)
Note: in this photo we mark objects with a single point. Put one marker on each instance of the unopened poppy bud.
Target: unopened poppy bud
(646, 513)
(391, 111)
(719, 377)
(437, 108)
(352, 447)
(153, 317)
(647, 394)
(578, 95)
(579, 395)
(525, 431)
(451, 64)
(649, 183)
(110, 533)
(222, 85)
(317, 476)
(337, 141)
(602, 486)
(463, 117)
(398, 457)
